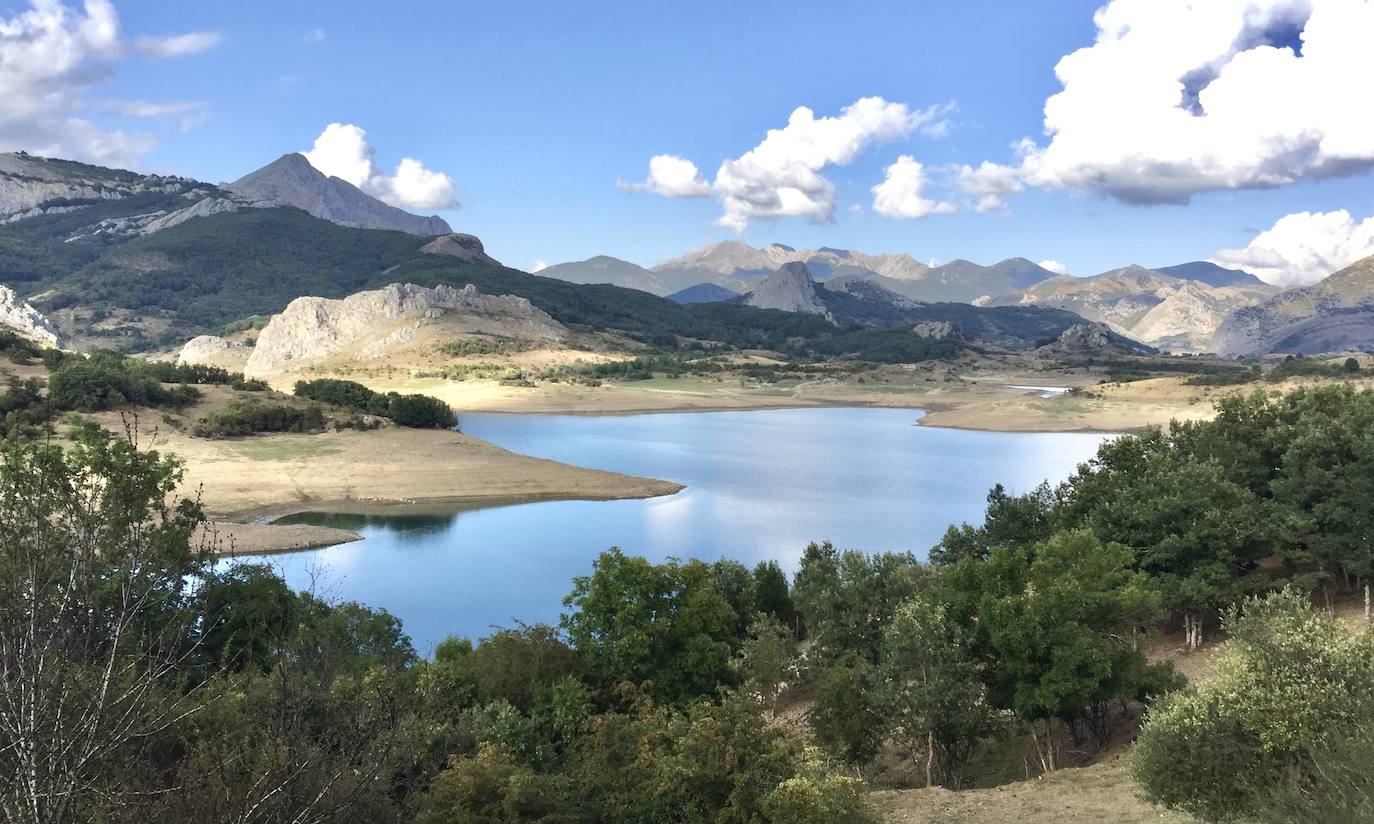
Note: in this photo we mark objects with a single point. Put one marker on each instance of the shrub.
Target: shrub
(1291, 683)
(418, 411)
(105, 380)
(252, 417)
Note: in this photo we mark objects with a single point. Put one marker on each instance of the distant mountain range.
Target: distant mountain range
(1333, 315)
(1176, 308)
(1178, 312)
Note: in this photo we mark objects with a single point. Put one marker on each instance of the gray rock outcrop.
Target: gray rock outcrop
(461, 246)
(213, 350)
(789, 289)
(938, 329)
(17, 316)
(372, 322)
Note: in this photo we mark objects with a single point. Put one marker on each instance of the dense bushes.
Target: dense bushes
(1292, 687)
(253, 417)
(107, 380)
(419, 411)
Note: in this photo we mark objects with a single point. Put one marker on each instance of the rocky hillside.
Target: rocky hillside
(17, 316)
(1171, 313)
(374, 325)
(789, 289)
(292, 181)
(967, 282)
(1333, 315)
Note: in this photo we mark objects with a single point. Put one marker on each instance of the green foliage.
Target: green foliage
(846, 598)
(1058, 621)
(765, 659)
(932, 690)
(107, 380)
(1297, 366)
(847, 716)
(418, 411)
(251, 417)
(24, 412)
(492, 787)
(771, 593)
(1290, 684)
(665, 624)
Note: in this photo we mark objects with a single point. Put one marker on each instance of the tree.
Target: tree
(846, 717)
(1192, 530)
(1291, 683)
(640, 622)
(934, 699)
(96, 621)
(1059, 625)
(765, 659)
(771, 595)
(846, 598)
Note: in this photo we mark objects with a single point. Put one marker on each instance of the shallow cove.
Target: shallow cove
(760, 485)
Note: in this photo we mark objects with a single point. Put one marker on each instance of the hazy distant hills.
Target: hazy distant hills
(702, 293)
(1171, 312)
(606, 269)
(1333, 315)
(292, 181)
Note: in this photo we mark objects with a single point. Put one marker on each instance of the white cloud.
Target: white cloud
(900, 194)
(1178, 97)
(781, 176)
(538, 266)
(342, 151)
(671, 176)
(1054, 266)
(990, 183)
(314, 36)
(50, 55)
(177, 45)
(1303, 247)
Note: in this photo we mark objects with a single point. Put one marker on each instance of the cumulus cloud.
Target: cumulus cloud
(671, 176)
(1054, 266)
(900, 194)
(781, 176)
(50, 56)
(177, 45)
(1177, 97)
(1303, 247)
(342, 151)
(990, 183)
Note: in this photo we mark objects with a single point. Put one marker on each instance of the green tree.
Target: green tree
(846, 716)
(765, 660)
(1059, 624)
(641, 622)
(933, 695)
(771, 594)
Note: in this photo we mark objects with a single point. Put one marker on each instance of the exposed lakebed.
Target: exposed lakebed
(760, 485)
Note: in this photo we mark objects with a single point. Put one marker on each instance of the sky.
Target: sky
(1085, 135)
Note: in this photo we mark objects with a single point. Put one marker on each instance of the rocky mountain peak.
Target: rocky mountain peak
(461, 246)
(790, 288)
(290, 180)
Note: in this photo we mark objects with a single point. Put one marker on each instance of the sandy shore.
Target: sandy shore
(232, 538)
(994, 401)
(250, 479)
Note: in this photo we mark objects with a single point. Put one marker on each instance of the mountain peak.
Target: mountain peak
(291, 180)
(790, 289)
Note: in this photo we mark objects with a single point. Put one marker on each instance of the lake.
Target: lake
(760, 485)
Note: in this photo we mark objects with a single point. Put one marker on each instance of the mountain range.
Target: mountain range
(1175, 308)
(1333, 315)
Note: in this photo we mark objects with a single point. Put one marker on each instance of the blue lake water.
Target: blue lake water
(760, 485)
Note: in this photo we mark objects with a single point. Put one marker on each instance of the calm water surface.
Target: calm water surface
(760, 485)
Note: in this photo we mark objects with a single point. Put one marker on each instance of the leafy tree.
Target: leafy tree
(640, 622)
(1290, 683)
(933, 695)
(771, 595)
(846, 598)
(95, 620)
(1058, 623)
(1192, 530)
(765, 659)
(1009, 520)
(492, 787)
(846, 716)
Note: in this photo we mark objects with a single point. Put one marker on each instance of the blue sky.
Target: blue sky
(536, 110)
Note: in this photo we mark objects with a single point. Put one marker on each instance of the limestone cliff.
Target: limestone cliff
(17, 316)
(369, 326)
(790, 289)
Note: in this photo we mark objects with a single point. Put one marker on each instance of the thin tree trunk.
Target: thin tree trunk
(930, 758)
(1366, 602)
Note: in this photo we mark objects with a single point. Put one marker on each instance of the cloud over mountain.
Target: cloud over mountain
(782, 175)
(52, 56)
(342, 151)
(1303, 248)
(900, 194)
